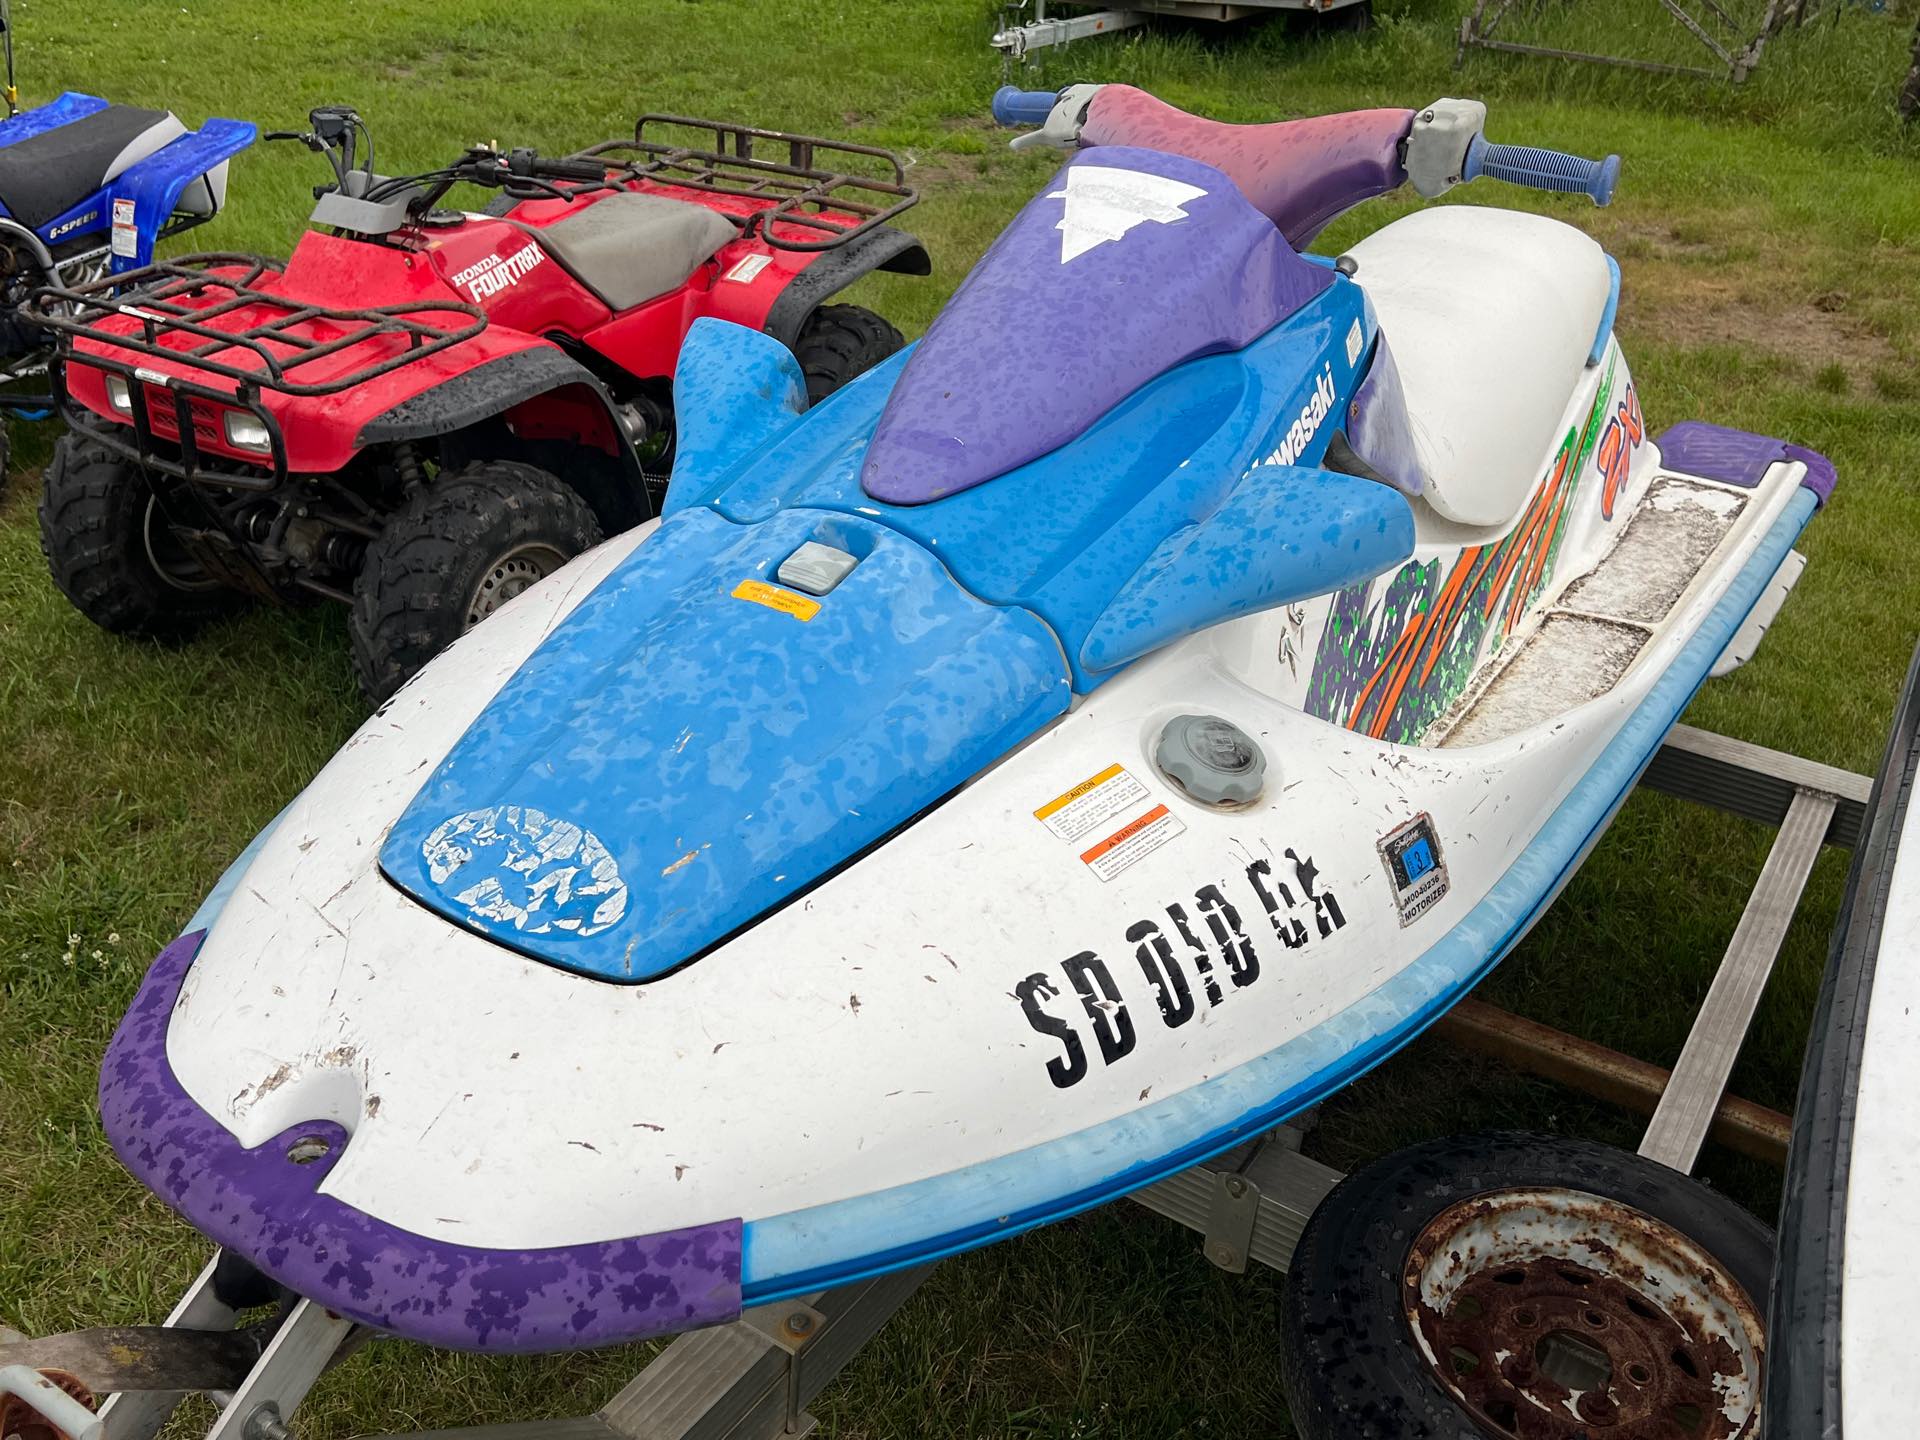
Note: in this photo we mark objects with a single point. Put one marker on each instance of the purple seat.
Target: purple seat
(1298, 173)
(1131, 262)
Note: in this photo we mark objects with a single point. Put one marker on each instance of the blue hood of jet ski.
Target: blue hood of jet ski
(695, 745)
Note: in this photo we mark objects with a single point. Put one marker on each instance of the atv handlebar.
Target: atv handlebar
(1543, 169)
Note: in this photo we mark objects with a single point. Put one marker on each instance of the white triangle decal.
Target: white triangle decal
(1103, 203)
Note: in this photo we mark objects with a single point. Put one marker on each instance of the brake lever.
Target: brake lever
(311, 141)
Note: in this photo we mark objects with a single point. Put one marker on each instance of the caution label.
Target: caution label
(1091, 803)
(126, 233)
(1132, 842)
(787, 602)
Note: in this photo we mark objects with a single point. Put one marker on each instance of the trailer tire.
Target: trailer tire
(461, 547)
(839, 342)
(107, 549)
(1351, 1363)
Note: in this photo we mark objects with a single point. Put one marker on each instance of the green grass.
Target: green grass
(1770, 238)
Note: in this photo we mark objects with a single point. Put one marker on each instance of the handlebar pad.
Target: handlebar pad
(1013, 106)
(1543, 169)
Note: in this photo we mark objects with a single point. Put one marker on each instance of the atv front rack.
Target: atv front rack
(152, 296)
(800, 191)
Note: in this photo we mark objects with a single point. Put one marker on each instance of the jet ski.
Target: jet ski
(1102, 730)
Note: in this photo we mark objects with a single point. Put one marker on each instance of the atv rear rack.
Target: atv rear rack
(800, 190)
(152, 296)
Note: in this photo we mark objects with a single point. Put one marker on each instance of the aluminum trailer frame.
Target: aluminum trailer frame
(1083, 21)
(753, 1379)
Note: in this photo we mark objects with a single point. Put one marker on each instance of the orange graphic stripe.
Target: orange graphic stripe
(1474, 564)
(1353, 720)
(1522, 537)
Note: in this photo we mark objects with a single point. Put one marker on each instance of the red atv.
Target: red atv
(426, 409)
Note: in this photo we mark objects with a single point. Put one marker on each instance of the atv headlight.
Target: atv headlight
(118, 396)
(247, 431)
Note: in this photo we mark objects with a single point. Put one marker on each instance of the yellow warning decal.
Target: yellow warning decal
(773, 597)
(1060, 802)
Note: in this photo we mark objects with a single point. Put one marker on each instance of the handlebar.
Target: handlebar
(1444, 147)
(1543, 169)
(1013, 106)
(570, 169)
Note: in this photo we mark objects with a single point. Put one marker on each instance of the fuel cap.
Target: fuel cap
(1212, 760)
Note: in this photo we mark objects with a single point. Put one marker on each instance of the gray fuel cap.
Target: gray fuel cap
(1212, 760)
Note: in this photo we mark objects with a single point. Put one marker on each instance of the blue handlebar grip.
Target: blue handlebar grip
(1543, 169)
(1012, 106)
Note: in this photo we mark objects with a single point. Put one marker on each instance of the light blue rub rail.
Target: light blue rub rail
(1605, 332)
(871, 1234)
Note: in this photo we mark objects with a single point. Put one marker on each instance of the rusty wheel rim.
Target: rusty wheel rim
(20, 1421)
(1559, 1315)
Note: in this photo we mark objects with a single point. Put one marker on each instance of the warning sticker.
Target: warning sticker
(747, 269)
(1133, 842)
(800, 607)
(126, 235)
(1091, 803)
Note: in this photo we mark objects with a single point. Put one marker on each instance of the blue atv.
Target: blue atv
(86, 190)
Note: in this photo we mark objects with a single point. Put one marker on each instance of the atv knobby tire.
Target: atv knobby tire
(838, 342)
(1349, 1360)
(105, 544)
(458, 549)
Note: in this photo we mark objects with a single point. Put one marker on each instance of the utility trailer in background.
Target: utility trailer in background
(1027, 25)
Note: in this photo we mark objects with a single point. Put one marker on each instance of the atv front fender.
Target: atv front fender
(537, 399)
(882, 248)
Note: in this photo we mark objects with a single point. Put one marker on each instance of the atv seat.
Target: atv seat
(629, 248)
(1492, 315)
(43, 176)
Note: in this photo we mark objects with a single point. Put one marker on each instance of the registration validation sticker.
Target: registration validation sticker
(1411, 853)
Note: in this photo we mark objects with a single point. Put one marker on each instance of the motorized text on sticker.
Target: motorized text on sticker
(1355, 340)
(1104, 202)
(800, 607)
(494, 274)
(1307, 424)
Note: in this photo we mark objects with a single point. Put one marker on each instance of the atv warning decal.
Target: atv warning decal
(800, 607)
(519, 865)
(126, 234)
(1411, 853)
(490, 276)
(1133, 842)
(1192, 955)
